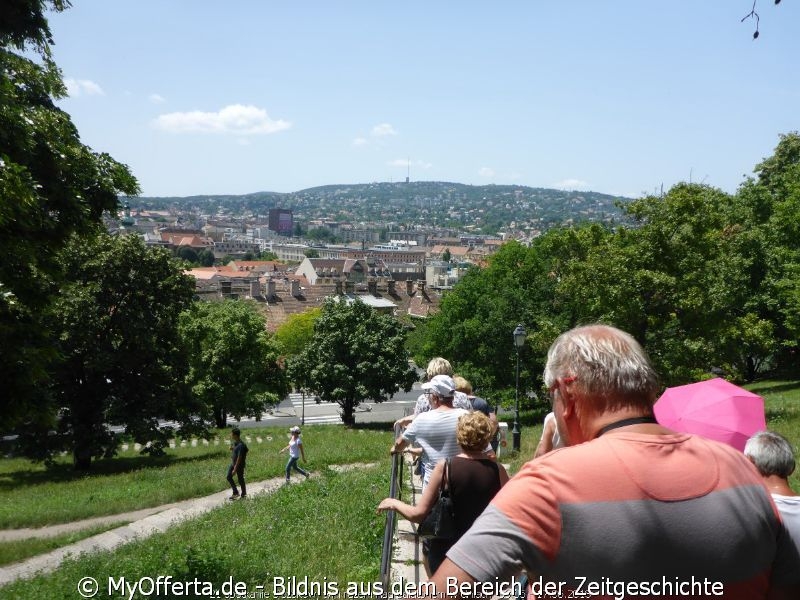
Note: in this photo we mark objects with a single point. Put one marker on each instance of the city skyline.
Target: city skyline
(617, 98)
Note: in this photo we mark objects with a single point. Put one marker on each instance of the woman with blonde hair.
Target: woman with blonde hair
(473, 479)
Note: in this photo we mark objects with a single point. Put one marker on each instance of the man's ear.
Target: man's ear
(569, 408)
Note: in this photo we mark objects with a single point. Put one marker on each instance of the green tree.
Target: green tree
(51, 185)
(311, 253)
(115, 325)
(267, 256)
(769, 208)
(473, 329)
(205, 258)
(234, 366)
(188, 254)
(355, 354)
(446, 255)
(320, 234)
(296, 333)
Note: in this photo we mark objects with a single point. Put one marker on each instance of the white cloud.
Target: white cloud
(571, 184)
(383, 129)
(360, 141)
(80, 87)
(156, 98)
(486, 172)
(236, 119)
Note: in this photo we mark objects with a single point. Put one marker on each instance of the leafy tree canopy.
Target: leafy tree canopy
(114, 324)
(297, 332)
(355, 354)
(234, 368)
(51, 186)
(702, 278)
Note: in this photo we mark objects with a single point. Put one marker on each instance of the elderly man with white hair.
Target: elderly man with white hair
(772, 455)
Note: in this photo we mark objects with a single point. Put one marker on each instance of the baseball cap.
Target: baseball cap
(441, 385)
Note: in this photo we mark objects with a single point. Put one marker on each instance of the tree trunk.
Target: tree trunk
(84, 414)
(348, 413)
(750, 373)
(220, 418)
(82, 453)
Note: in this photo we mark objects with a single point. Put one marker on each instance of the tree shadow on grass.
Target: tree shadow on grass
(374, 426)
(63, 472)
(771, 389)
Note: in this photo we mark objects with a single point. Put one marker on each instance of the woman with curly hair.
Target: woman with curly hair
(473, 479)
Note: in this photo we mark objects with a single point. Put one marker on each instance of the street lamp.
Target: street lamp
(519, 341)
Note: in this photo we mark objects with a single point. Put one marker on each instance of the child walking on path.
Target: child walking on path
(238, 459)
(295, 449)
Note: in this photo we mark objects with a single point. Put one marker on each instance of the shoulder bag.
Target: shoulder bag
(440, 522)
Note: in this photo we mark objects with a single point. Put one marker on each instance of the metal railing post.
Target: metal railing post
(391, 519)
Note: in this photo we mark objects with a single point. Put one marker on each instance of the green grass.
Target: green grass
(33, 496)
(18, 550)
(782, 406)
(325, 530)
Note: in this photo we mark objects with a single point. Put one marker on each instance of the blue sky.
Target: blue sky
(202, 97)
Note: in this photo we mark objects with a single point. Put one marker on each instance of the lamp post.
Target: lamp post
(519, 341)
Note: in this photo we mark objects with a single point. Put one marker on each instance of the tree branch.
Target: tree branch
(754, 15)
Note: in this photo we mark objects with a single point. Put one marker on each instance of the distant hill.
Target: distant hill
(484, 208)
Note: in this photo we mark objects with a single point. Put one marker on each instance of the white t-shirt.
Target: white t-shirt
(789, 507)
(557, 441)
(294, 446)
(435, 432)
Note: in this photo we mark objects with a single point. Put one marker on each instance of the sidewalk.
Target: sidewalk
(407, 564)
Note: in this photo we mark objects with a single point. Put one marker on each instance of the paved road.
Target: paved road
(296, 410)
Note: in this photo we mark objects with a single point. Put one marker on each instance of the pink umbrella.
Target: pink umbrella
(715, 409)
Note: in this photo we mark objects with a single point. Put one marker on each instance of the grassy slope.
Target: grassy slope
(325, 529)
(11, 552)
(131, 481)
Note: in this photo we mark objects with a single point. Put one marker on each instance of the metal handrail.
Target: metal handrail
(388, 531)
(391, 517)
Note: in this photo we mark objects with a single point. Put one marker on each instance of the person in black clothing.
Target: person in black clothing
(238, 459)
(473, 479)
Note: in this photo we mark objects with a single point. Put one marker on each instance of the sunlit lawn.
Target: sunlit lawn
(321, 530)
(32, 495)
(18, 550)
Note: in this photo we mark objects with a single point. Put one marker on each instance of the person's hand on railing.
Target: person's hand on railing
(386, 504)
(404, 421)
